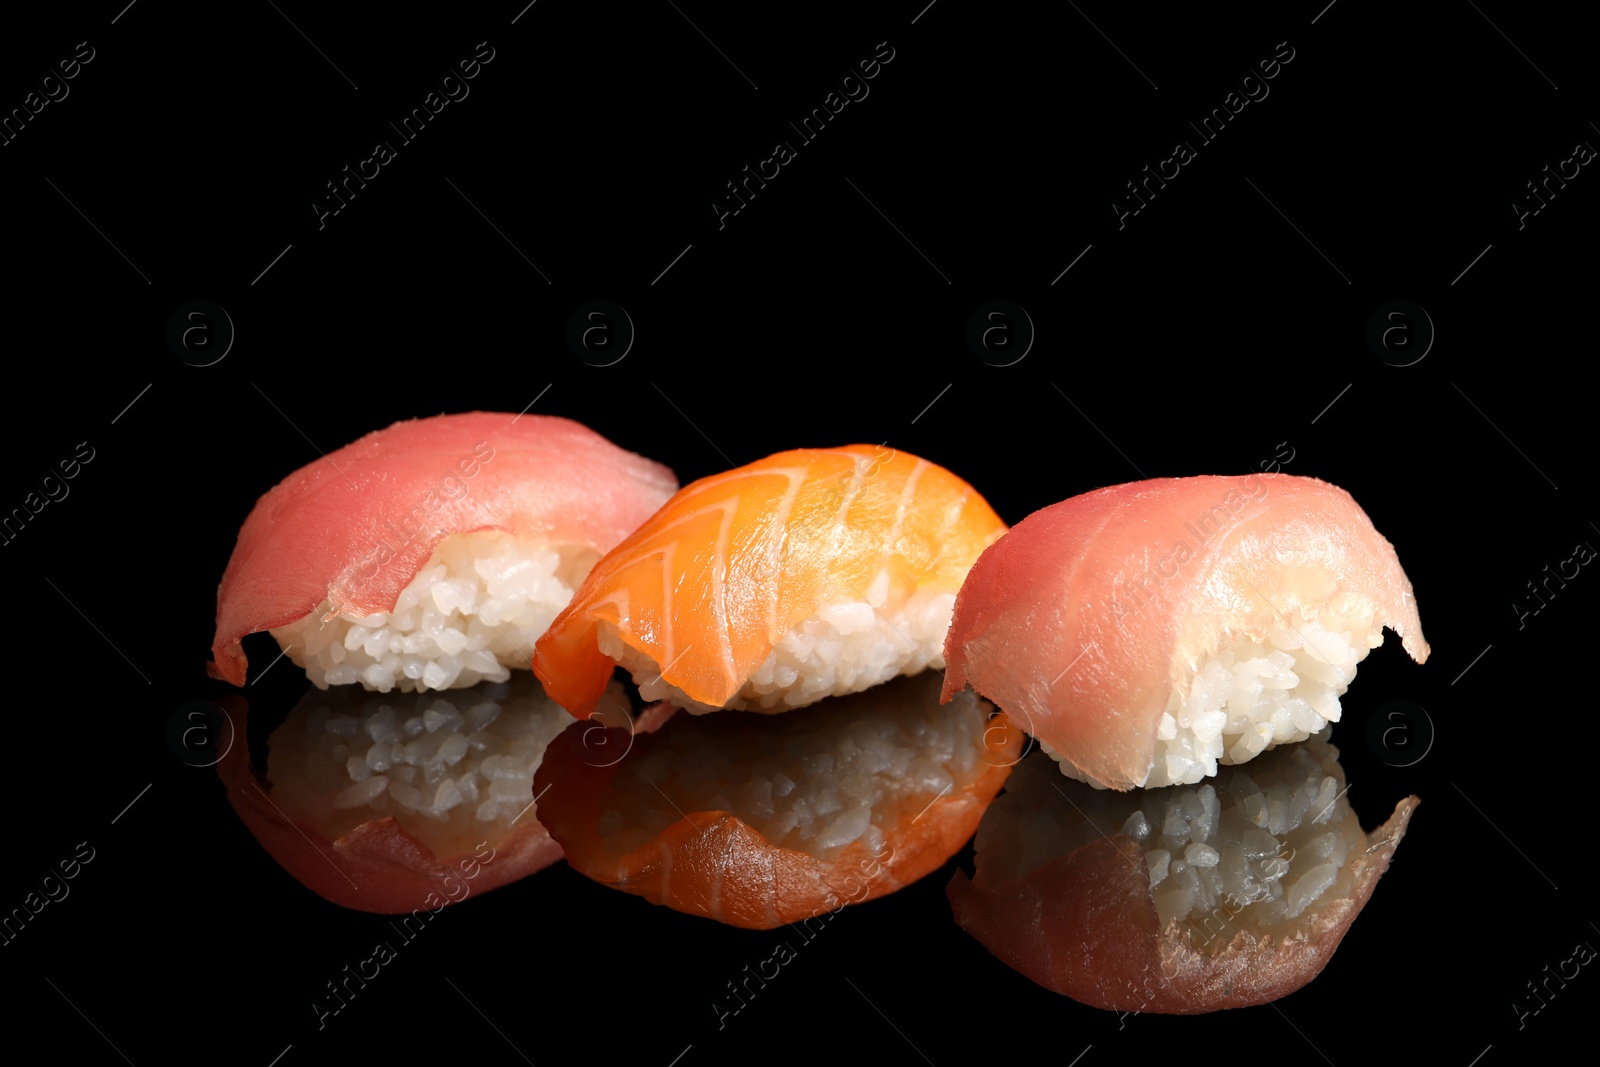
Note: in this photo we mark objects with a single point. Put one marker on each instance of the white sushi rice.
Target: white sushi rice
(846, 647)
(1254, 850)
(1251, 695)
(816, 781)
(453, 770)
(474, 610)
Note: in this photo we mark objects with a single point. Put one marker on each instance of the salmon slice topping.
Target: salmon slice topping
(810, 573)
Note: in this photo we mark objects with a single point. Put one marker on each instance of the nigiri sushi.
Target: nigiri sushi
(431, 554)
(808, 574)
(1146, 633)
(1179, 900)
(761, 820)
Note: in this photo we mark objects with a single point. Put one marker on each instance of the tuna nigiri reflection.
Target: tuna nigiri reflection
(431, 554)
(1178, 900)
(812, 573)
(1146, 632)
(383, 803)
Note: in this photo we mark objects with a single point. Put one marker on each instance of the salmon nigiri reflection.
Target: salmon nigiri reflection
(761, 820)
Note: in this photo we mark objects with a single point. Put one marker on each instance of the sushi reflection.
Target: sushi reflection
(761, 820)
(1236, 890)
(372, 800)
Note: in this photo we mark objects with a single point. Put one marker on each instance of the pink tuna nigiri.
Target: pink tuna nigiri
(433, 553)
(1143, 633)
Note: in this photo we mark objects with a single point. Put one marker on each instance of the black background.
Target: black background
(1225, 318)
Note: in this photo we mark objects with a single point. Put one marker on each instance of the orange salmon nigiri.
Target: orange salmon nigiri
(1147, 632)
(761, 820)
(811, 573)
